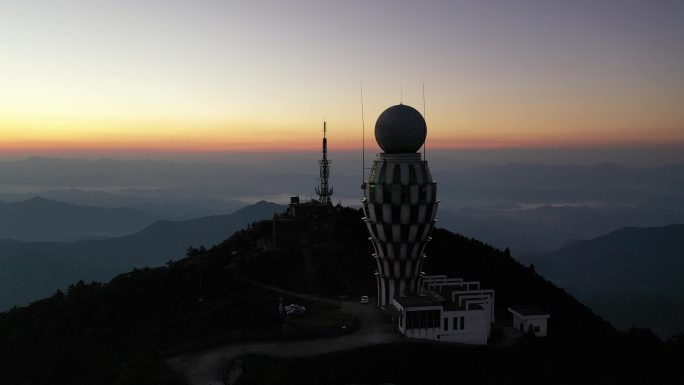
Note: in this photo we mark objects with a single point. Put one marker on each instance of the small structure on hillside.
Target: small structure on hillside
(313, 215)
(530, 319)
(447, 309)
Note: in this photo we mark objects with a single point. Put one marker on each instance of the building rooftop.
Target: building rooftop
(527, 311)
(422, 300)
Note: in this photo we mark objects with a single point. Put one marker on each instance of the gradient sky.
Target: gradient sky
(262, 75)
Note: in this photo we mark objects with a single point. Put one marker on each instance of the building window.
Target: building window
(422, 319)
(446, 323)
(536, 329)
(458, 323)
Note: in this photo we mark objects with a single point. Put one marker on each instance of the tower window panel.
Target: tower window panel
(405, 194)
(396, 214)
(412, 174)
(381, 232)
(421, 214)
(405, 214)
(377, 196)
(407, 269)
(402, 251)
(396, 233)
(413, 214)
(428, 193)
(387, 213)
(413, 194)
(404, 167)
(378, 213)
(413, 231)
(420, 176)
(396, 177)
(390, 251)
(402, 287)
(383, 172)
(396, 194)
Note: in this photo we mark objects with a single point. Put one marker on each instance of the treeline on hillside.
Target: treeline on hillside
(117, 333)
(114, 333)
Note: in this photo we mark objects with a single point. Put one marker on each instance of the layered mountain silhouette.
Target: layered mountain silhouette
(632, 276)
(40, 219)
(32, 270)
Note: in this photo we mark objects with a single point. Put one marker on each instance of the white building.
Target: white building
(448, 309)
(530, 319)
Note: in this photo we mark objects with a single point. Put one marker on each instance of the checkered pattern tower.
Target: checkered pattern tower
(399, 203)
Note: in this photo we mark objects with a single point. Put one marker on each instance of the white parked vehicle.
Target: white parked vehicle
(364, 299)
(293, 309)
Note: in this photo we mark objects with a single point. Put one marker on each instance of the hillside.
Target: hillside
(118, 333)
(628, 269)
(32, 270)
(39, 219)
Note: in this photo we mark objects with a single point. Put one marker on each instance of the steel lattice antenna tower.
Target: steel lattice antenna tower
(324, 191)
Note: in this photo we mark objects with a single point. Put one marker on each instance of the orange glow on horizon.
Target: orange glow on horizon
(212, 136)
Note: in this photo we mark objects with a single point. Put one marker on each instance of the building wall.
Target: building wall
(533, 322)
(476, 331)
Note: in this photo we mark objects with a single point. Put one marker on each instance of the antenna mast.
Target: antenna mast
(323, 190)
(363, 139)
(424, 117)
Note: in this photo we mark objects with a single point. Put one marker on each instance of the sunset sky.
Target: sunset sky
(96, 76)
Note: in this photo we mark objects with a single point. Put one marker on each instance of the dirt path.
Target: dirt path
(206, 367)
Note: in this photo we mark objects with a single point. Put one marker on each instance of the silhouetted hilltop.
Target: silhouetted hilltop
(117, 333)
(31, 270)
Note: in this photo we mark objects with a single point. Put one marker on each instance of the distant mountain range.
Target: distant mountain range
(160, 203)
(548, 227)
(632, 276)
(527, 207)
(40, 219)
(31, 270)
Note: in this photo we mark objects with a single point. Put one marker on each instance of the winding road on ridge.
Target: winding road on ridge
(206, 367)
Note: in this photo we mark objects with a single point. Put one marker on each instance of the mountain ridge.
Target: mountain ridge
(626, 269)
(41, 219)
(26, 278)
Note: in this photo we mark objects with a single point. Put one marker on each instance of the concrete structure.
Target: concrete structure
(399, 203)
(530, 319)
(449, 309)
